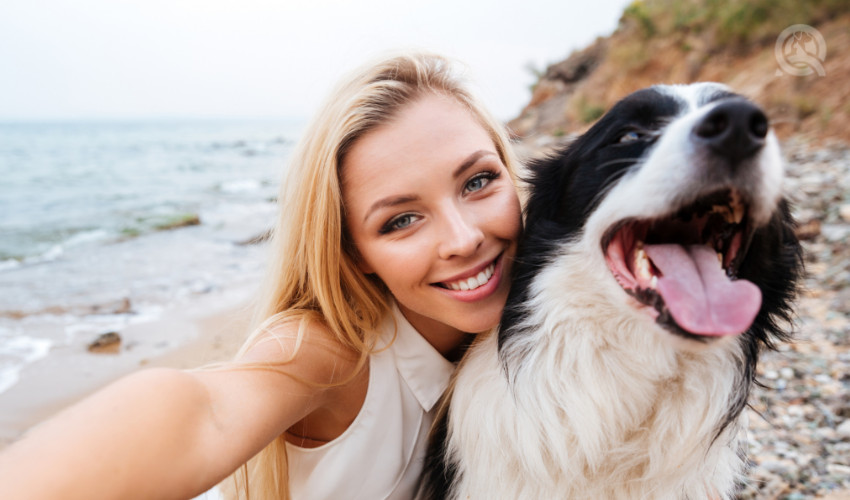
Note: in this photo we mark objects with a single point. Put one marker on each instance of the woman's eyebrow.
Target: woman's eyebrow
(470, 161)
(389, 202)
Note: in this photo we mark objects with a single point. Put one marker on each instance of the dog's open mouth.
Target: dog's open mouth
(685, 265)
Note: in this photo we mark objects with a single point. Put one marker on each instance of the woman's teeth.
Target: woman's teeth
(474, 282)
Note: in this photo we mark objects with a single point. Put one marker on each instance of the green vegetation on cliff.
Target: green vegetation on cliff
(728, 23)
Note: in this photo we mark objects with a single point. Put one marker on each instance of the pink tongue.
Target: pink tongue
(699, 295)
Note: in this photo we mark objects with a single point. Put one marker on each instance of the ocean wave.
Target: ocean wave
(16, 352)
(88, 236)
(49, 255)
(240, 186)
(7, 264)
(55, 251)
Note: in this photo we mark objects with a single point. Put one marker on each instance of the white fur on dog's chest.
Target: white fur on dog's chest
(590, 400)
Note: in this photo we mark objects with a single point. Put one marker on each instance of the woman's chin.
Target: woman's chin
(483, 322)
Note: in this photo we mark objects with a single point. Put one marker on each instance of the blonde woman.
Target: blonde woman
(394, 243)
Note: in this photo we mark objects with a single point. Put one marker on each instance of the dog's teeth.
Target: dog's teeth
(738, 214)
(720, 258)
(737, 206)
(642, 264)
(654, 282)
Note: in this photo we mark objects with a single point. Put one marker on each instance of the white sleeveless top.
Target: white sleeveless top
(380, 455)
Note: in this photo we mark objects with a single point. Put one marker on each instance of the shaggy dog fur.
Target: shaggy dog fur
(658, 259)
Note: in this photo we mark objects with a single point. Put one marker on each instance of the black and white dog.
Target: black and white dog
(658, 259)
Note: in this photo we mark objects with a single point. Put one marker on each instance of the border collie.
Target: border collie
(658, 259)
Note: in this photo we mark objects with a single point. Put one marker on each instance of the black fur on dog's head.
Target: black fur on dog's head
(657, 151)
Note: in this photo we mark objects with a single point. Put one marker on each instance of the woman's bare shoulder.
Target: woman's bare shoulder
(280, 380)
(309, 351)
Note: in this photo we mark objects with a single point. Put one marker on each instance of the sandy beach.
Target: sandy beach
(205, 330)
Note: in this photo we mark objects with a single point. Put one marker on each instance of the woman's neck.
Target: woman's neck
(447, 340)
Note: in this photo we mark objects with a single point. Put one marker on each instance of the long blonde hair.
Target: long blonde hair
(313, 273)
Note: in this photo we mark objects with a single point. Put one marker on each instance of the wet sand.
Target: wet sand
(207, 330)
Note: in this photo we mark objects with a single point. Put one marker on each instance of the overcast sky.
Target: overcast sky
(103, 59)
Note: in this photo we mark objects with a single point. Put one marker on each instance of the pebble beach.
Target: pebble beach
(799, 420)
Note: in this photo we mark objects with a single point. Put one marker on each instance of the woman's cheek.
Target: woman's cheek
(400, 258)
(506, 216)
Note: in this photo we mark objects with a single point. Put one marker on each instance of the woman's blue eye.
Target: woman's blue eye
(396, 223)
(479, 181)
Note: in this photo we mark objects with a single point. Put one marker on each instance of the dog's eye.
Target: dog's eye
(630, 136)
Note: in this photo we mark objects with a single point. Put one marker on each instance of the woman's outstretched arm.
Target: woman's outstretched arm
(165, 433)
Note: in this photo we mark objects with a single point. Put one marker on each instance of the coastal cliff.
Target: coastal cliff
(732, 42)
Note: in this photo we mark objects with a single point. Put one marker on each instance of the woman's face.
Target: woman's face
(434, 214)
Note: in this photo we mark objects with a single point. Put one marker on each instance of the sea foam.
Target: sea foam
(16, 352)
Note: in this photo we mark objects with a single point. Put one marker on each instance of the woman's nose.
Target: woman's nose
(461, 235)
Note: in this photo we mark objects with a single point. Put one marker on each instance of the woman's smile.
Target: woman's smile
(476, 285)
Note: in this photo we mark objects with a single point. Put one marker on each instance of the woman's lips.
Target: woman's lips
(472, 282)
(475, 287)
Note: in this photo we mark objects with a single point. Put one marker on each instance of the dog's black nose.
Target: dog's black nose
(734, 130)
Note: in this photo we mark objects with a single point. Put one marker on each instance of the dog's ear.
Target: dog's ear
(565, 187)
(550, 178)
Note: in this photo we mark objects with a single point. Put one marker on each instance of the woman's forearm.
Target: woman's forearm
(164, 433)
(137, 438)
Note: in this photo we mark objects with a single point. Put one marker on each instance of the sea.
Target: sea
(107, 223)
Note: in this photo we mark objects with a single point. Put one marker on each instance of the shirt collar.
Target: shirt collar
(425, 371)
